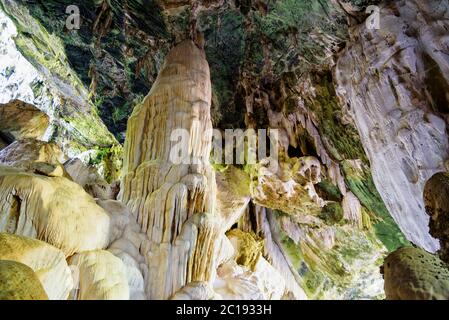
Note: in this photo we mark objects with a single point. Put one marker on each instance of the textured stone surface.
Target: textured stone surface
(46, 261)
(436, 199)
(414, 274)
(89, 178)
(34, 156)
(173, 203)
(393, 81)
(236, 282)
(245, 274)
(20, 120)
(195, 291)
(233, 195)
(102, 276)
(19, 282)
(248, 246)
(34, 69)
(54, 210)
(288, 186)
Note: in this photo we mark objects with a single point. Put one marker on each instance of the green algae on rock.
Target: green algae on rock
(360, 182)
(19, 282)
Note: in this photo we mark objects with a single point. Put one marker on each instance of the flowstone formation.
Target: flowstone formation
(394, 82)
(174, 202)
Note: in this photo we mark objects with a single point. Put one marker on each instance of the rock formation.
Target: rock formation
(47, 83)
(393, 82)
(34, 156)
(52, 209)
(102, 276)
(47, 262)
(359, 123)
(436, 199)
(414, 274)
(174, 202)
(23, 121)
(19, 282)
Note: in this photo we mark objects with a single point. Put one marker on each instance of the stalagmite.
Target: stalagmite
(173, 201)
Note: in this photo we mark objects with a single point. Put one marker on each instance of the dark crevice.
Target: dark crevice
(436, 85)
(14, 213)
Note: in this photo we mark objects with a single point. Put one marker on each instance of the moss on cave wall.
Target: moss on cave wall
(120, 48)
(107, 54)
(327, 273)
(297, 21)
(342, 141)
(360, 182)
(77, 127)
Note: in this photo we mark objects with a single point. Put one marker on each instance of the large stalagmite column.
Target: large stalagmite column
(173, 202)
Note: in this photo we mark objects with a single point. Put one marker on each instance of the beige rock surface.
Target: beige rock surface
(195, 291)
(126, 240)
(20, 120)
(102, 276)
(54, 210)
(47, 262)
(237, 282)
(34, 156)
(90, 180)
(394, 83)
(274, 252)
(288, 186)
(233, 195)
